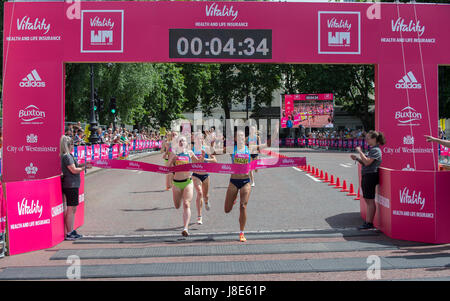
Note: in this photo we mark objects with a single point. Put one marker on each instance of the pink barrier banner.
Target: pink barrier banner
(444, 150)
(81, 149)
(96, 151)
(409, 207)
(2, 210)
(115, 151)
(104, 150)
(88, 153)
(35, 214)
(222, 168)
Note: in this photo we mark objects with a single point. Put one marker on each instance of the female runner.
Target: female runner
(239, 182)
(182, 188)
(201, 180)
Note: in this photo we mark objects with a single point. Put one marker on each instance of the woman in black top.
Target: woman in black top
(369, 173)
(70, 184)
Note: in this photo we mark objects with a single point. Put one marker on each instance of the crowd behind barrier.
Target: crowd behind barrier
(109, 136)
(88, 153)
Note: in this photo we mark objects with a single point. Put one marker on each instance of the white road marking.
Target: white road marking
(346, 165)
(297, 169)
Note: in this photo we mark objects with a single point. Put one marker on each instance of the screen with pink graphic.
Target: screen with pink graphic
(307, 110)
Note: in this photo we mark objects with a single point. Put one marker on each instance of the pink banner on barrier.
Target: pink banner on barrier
(104, 151)
(96, 151)
(35, 214)
(2, 210)
(115, 151)
(88, 153)
(81, 149)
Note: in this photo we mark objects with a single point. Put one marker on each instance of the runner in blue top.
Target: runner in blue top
(201, 179)
(239, 182)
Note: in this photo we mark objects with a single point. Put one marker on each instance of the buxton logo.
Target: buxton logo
(26, 24)
(101, 162)
(197, 166)
(407, 115)
(32, 80)
(213, 10)
(408, 81)
(31, 113)
(226, 167)
(400, 26)
(414, 198)
(25, 209)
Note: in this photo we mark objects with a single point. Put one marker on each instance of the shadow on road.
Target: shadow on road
(149, 191)
(164, 229)
(345, 220)
(146, 210)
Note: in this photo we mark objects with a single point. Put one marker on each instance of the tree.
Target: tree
(166, 99)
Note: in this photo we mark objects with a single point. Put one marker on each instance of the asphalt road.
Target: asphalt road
(122, 202)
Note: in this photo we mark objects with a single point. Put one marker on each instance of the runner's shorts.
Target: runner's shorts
(71, 196)
(368, 184)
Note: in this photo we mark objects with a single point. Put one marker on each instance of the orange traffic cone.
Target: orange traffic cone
(326, 180)
(309, 169)
(317, 173)
(332, 183)
(322, 177)
(338, 184)
(358, 197)
(352, 191)
(344, 187)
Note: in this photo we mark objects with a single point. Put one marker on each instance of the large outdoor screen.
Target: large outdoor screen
(307, 110)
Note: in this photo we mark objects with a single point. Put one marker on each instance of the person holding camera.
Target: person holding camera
(70, 184)
(369, 173)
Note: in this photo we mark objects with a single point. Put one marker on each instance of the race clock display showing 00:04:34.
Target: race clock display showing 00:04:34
(220, 43)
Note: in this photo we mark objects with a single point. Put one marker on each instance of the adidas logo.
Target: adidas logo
(408, 81)
(32, 80)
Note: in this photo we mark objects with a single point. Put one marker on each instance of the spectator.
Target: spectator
(70, 184)
(78, 139)
(369, 173)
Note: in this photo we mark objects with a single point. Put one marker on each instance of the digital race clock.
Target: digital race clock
(220, 43)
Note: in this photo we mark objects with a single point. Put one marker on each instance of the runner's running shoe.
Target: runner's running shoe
(199, 220)
(207, 206)
(242, 237)
(185, 233)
